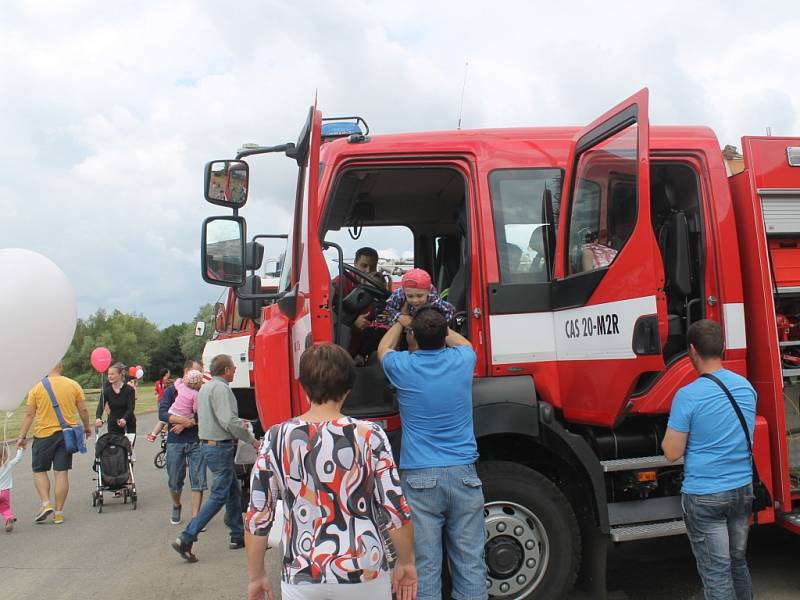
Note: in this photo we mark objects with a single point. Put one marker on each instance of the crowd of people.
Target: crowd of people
(356, 524)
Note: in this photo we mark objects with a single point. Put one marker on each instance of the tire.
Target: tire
(160, 460)
(100, 505)
(133, 502)
(533, 544)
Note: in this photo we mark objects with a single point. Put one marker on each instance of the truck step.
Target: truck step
(643, 531)
(634, 464)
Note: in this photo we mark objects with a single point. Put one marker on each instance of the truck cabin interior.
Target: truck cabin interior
(677, 223)
(430, 202)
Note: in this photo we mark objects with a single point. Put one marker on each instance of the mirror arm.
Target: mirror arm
(287, 148)
(325, 246)
(274, 236)
(267, 297)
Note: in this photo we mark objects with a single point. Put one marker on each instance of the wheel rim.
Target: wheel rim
(517, 550)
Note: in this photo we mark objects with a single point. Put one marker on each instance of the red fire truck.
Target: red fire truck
(576, 259)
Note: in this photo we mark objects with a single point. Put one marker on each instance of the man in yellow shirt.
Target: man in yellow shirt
(49, 451)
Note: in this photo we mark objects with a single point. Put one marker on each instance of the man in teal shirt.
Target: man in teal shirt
(717, 491)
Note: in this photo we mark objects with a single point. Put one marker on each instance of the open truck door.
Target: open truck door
(609, 303)
(302, 316)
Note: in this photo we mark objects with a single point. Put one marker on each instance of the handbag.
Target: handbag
(761, 496)
(74, 439)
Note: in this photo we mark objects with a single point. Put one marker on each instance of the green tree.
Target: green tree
(167, 353)
(130, 338)
(192, 345)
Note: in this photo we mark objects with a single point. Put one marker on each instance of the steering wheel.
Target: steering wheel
(359, 278)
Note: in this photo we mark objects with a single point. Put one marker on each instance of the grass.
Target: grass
(145, 403)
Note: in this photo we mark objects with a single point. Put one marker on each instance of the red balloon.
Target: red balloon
(132, 372)
(100, 359)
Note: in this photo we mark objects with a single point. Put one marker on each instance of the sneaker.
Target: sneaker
(10, 524)
(185, 550)
(58, 518)
(44, 511)
(236, 543)
(175, 519)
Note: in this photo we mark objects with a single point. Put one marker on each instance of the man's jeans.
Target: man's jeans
(447, 502)
(178, 454)
(718, 525)
(225, 492)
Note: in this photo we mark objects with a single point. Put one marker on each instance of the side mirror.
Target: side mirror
(199, 328)
(222, 251)
(226, 182)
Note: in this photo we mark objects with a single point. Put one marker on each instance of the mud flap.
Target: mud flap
(592, 574)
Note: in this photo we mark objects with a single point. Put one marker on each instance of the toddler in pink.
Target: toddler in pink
(6, 484)
(185, 404)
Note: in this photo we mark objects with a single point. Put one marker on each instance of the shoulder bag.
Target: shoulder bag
(761, 496)
(74, 439)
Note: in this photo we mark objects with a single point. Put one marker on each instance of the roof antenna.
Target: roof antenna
(463, 87)
(769, 131)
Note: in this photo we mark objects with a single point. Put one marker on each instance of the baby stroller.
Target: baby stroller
(114, 467)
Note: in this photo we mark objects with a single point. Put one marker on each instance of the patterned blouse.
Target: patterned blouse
(337, 480)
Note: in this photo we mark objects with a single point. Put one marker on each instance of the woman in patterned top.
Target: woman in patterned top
(339, 486)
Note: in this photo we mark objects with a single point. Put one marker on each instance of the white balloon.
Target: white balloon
(37, 321)
(139, 374)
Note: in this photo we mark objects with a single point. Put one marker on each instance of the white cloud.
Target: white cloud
(110, 110)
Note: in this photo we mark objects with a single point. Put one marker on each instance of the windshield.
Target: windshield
(394, 245)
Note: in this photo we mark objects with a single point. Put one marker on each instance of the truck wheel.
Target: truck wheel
(533, 545)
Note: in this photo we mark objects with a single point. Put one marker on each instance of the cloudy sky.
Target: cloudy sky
(110, 109)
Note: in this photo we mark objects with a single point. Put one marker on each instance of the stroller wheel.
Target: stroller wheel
(100, 504)
(94, 499)
(133, 501)
(160, 460)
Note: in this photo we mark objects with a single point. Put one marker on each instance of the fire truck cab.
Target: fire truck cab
(576, 259)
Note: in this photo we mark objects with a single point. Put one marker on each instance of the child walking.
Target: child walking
(6, 484)
(185, 404)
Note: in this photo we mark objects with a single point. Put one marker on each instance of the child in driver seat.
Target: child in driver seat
(416, 290)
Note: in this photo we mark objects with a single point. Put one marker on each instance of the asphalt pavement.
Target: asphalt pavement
(126, 553)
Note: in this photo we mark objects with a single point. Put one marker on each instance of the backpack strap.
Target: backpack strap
(49, 389)
(742, 422)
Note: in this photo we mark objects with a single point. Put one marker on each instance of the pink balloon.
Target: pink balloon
(101, 359)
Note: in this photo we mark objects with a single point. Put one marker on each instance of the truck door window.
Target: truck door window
(603, 212)
(520, 222)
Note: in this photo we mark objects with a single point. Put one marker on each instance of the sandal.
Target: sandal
(185, 550)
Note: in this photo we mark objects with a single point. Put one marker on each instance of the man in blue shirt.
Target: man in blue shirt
(438, 455)
(717, 491)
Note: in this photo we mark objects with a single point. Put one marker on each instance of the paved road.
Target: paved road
(126, 553)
